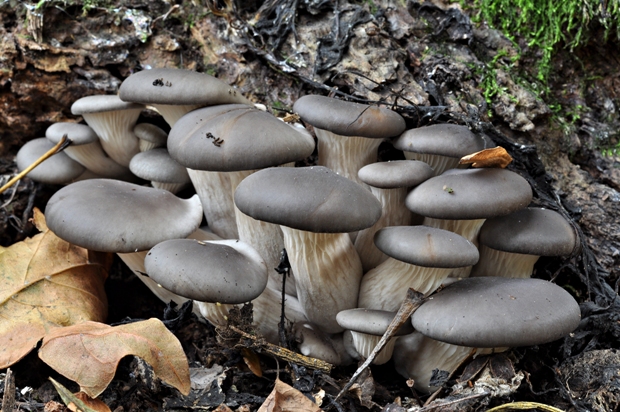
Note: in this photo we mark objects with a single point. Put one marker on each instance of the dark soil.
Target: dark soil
(422, 59)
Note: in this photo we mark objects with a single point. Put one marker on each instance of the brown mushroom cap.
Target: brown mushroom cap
(426, 246)
(498, 312)
(119, 217)
(307, 198)
(235, 137)
(531, 231)
(470, 194)
(213, 271)
(348, 118)
(178, 87)
(441, 139)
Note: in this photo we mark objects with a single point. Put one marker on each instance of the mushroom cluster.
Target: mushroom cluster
(350, 225)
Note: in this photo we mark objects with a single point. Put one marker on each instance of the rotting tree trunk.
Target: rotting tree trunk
(424, 61)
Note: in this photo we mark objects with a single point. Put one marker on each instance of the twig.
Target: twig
(283, 269)
(8, 399)
(284, 353)
(411, 303)
(525, 406)
(59, 147)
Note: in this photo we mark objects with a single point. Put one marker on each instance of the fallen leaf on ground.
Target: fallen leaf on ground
(45, 283)
(76, 402)
(496, 157)
(285, 398)
(89, 353)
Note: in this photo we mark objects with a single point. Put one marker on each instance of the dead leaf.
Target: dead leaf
(73, 403)
(89, 353)
(285, 398)
(252, 361)
(45, 283)
(496, 157)
(95, 404)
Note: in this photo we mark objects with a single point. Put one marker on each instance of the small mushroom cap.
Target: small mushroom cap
(235, 137)
(307, 198)
(370, 321)
(119, 217)
(492, 312)
(531, 231)
(394, 174)
(348, 118)
(80, 134)
(56, 170)
(101, 103)
(444, 139)
(156, 165)
(426, 246)
(178, 87)
(150, 133)
(470, 194)
(213, 271)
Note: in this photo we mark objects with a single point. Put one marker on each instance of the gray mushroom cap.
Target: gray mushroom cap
(314, 199)
(498, 312)
(370, 321)
(102, 103)
(235, 137)
(56, 170)
(426, 246)
(157, 165)
(178, 87)
(211, 271)
(80, 134)
(394, 174)
(150, 133)
(348, 118)
(531, 231)
(119, 217)
(470, 194)
(444, 139)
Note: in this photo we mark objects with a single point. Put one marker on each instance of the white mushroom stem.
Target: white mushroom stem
(313, 342)
(92, 157)
(215, 193)
(469, 229)
(416, 356)
(115, 129)
(394, 213)
(385, 287)
(495, 262)
(172, 113)
(171, 187)
(346, 155)
(364, 344)
(145, 145)
(327, 271)
(215, 313)
(265, 237)
(439, 163)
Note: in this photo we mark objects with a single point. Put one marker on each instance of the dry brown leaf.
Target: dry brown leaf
(45, 283)
(89, 353)
(285, 398)
(252, 361)
(94, 404)
(496, 157)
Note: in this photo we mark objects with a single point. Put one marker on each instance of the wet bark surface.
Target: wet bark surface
(422, 60)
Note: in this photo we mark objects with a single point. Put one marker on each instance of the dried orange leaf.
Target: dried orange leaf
(45, 283)
(285, 398)
(252, 361)
(89, 353)
(497, 157)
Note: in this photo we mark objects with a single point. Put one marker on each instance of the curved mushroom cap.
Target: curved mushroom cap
(56, 170)
(150, 133)
(470, 194)
(426, 246)
(119, 217)
(80, 134)
(531, 231)
(370, 321)
(235, 137)
(178, 87)
(441, 139)
(226, 271)
(102, 103)
(348, 118)
(157, 165)
(498, 312)
(394, 174)
(307, 198)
